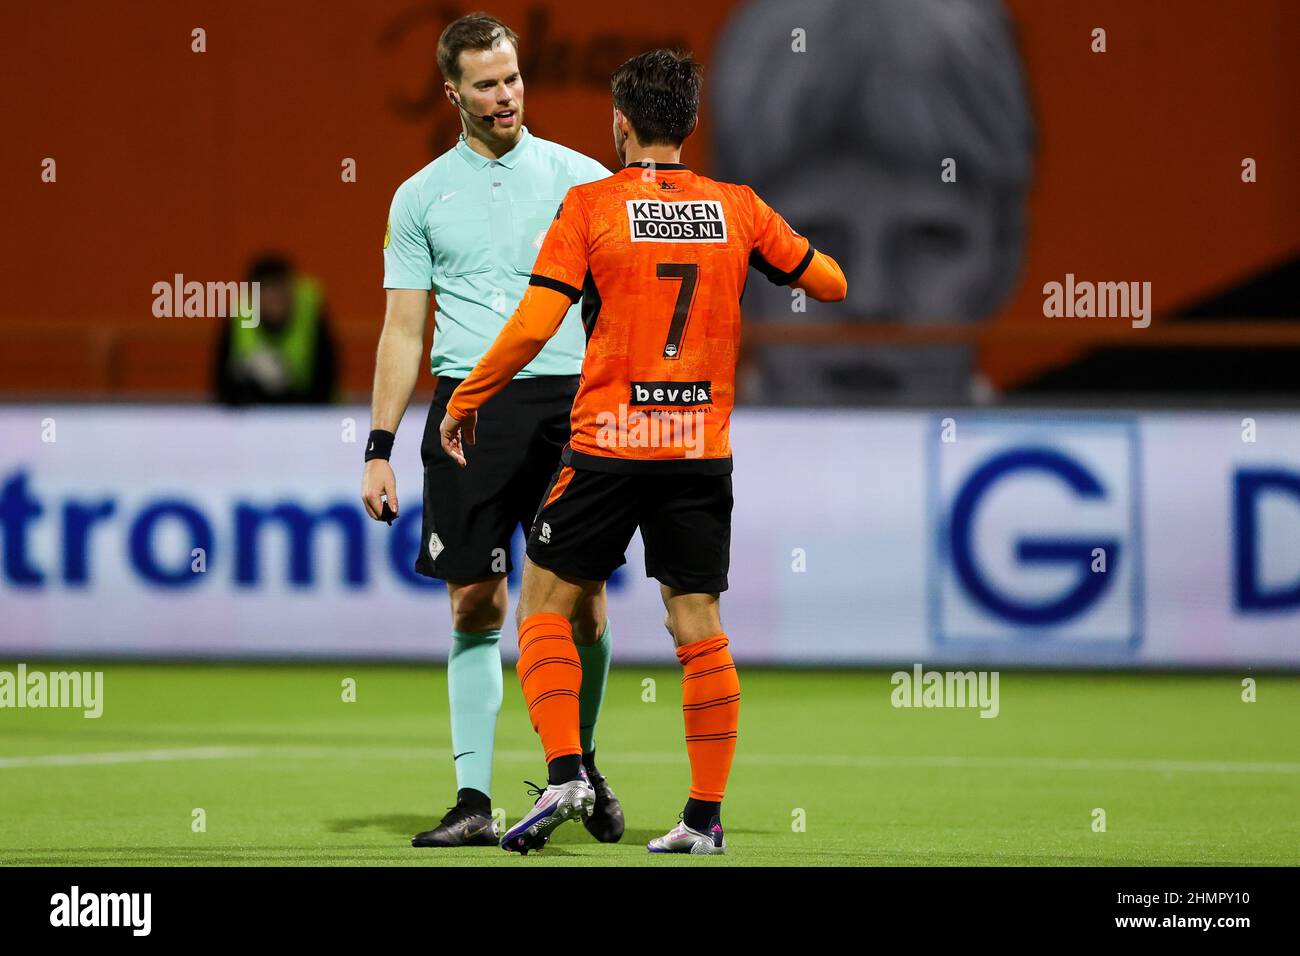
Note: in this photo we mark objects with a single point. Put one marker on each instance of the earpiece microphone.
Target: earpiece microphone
(489, 117)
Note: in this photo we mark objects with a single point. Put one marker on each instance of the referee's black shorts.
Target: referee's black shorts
(470, 513)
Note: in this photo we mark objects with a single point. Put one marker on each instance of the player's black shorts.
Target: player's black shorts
(470, 513)
(587, 518)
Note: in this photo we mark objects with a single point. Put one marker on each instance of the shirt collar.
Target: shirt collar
(479, 161)
(650, 164)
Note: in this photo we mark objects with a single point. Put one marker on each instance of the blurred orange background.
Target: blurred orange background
(171, 161)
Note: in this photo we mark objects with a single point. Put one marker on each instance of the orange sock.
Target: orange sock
(711, 706)
(551, 674)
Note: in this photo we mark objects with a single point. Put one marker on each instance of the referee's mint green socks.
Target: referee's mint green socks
(474, 692)
(595, 672)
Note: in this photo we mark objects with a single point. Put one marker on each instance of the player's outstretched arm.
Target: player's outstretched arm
(823, 279)
(787, 258)
(538, 317)
(397, 368)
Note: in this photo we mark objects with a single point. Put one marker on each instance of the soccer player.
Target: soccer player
(468, 227)
(659, 256)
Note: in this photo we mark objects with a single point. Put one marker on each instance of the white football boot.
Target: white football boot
(555, 804)
(682, 839)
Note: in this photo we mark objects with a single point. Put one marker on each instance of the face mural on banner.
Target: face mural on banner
(897, 136)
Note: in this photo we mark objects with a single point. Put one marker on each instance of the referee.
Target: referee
(468, 227)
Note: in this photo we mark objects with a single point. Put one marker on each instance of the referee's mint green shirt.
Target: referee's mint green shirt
(469, 228)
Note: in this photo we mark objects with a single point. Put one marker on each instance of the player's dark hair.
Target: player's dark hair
(474, 31)
(659, 93)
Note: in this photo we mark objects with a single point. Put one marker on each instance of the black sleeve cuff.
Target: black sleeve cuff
(547, 282)
(775, 275)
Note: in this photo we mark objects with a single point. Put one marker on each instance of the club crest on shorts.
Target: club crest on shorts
(544, 536)
(435, 546)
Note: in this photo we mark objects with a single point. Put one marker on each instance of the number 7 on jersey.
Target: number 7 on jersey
(688, 274)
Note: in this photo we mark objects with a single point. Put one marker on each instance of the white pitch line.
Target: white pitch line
(862, 760)
(127, 756)
(1035, 763)
(673, 757)
(977, 763)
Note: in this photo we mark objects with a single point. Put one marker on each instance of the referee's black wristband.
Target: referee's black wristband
(380, 445)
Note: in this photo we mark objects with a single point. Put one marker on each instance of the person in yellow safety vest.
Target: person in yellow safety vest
(288, 356)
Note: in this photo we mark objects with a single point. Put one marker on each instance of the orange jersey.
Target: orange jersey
(660, 256)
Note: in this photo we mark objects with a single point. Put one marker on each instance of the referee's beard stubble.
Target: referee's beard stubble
(488, 126)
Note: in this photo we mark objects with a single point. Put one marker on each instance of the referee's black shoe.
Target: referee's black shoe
(606, 820)
(462, 826)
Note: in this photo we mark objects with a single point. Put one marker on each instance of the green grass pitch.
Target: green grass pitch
(286, 772)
